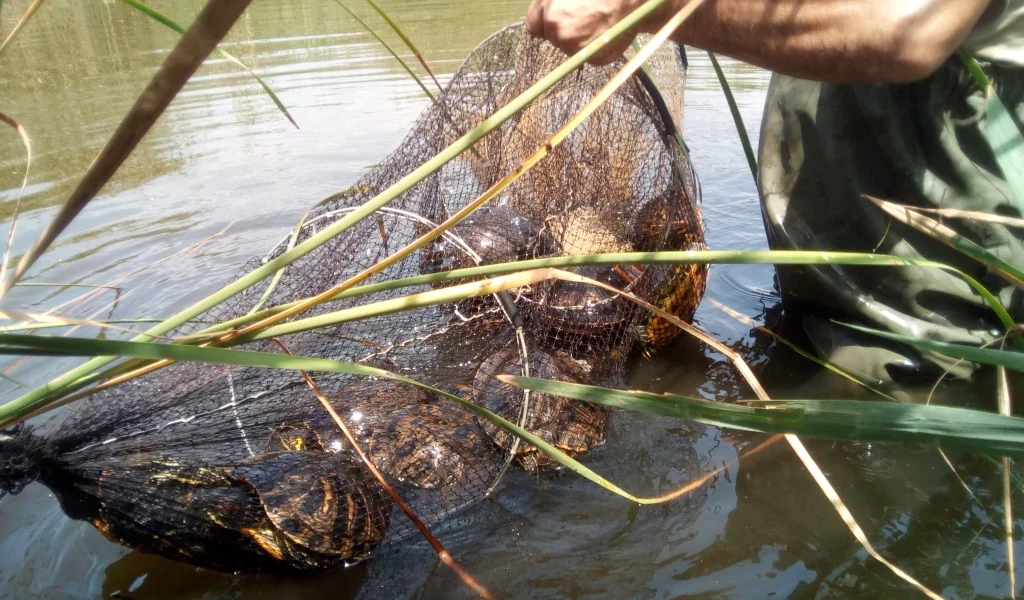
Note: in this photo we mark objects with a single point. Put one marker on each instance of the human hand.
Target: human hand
(572, 24)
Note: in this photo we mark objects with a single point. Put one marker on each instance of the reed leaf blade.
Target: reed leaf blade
(737, 118)
(974, 430)
(408, 42)
(1001, 131)
(1000, 358)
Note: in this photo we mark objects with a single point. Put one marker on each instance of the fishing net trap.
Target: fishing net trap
(243, 469)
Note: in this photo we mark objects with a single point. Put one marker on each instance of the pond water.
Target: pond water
(222, 156)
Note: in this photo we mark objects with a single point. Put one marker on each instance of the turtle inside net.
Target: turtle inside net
(242, 469)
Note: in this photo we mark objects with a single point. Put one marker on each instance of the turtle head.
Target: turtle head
(22, 458)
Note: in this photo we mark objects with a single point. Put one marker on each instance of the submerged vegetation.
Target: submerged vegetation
(996, 435)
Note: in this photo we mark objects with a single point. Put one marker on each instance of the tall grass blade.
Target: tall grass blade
(27, 143)
(408, 42)
(209, 27)
(737, 118)
(947, 236)
(1001, 358)
(1001, 132)
(404, 64)
(975, 430)
(167, 21)
(31, 10)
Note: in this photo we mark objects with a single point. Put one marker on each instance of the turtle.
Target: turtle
(491, 234)
(671, 222)
(572, 426)
(433, 446)
(587, 320)
(276, 511)
(581, 318)
(410, 435)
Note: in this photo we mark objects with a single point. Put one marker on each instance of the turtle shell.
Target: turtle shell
(277, 511)
(672, 223)
(494, 234)
(570, 425)
(432, 446)
(587, 320)
(414, 436)
(325, 505)
(581, 318)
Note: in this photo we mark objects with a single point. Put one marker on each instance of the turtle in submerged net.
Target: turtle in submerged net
(572, 426)
(278, 511)
(242, 469)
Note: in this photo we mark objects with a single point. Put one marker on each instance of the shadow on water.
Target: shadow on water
(222, 155)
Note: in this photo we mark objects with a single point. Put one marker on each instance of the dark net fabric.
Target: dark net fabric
(242, 469)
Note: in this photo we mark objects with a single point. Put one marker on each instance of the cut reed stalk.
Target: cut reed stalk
(27, 143)
(31, 10)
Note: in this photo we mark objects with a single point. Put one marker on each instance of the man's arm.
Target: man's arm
(828, 40)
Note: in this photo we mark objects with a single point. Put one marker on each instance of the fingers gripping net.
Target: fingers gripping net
(242, 469)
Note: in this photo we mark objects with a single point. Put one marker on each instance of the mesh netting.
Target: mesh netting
(241, 469)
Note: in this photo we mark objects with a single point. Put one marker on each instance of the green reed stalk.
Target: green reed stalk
(41, 398)
(737, 118)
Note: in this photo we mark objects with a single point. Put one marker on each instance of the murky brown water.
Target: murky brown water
(222, 155)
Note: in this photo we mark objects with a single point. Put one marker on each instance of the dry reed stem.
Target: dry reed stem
(21, 23)
(15, 315)
(937, 231)
(1005, 408)
(974, 215)
(25, 141)
(750, 323)
(441, 551)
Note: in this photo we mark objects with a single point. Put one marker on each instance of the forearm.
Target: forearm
(833, 40)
